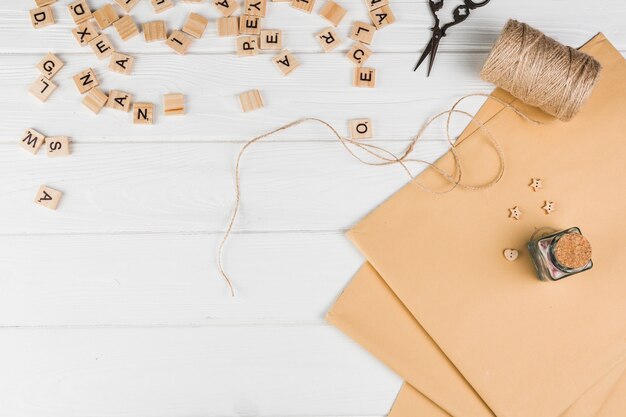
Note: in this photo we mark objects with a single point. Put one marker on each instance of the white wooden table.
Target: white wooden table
(113, 306)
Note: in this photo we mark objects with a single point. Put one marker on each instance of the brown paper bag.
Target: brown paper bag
(370, 313)
(529, 348)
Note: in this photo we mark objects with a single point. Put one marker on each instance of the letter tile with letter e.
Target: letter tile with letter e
(143, 113)
(121, 63)
(250, 25)
(50, 65)
(119, 100)
(286, 62)
(102, 46)
(48, 197)
(42, 17)
(57, 146)
(32, 140)
(360, 128)
(42, 88)
(328, 38)
(271, 39)
(364, 77)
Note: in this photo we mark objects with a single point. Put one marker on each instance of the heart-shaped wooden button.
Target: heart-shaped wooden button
(511, 254)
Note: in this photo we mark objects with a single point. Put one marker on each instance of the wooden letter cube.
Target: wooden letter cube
(80, 11)
(86, 80)
(41, 3)
(359, 53)
(179, 42)
(126, 28)
(121, 63)
(360, 128)
(228, 26)
(251, 100)
(119, 100)
(250, 25)
(196, 25)
(105, 16)
(362, 32)
(57, 146)
(271, 39)
(127, 5)
(255, 7)
(143, 113)
(173, 104)
(154, 31)
(95, 100)
(85, 33)
(50, 65)
(32, 140)
(42, 17)
(364, 77)
(162, 5)
(247, 45)
(286, 62)
(226, 7)
(332, 12)
(102, 46)
(383, 16)
(48, 197)
(304, 5)
(42, 88)
(375, 4)
(328, 38)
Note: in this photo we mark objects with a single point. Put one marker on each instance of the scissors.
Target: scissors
(459, 14)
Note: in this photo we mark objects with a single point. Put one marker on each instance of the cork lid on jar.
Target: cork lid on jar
(573, 251)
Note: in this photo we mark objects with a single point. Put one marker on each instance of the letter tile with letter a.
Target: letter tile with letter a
(57, 146)
(85, 33)
(286, 62)
(42, 88)
(360, 128)
(121, 63)
(143, 113)
(119, 100)
(328, 38)
(32, 140)
(42, 17)
(80, 11)
(364, 77)
(48, 197)
(50, 65)
(226, 7)
(383, 16)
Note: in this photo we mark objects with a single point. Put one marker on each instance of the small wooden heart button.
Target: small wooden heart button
(511, 254)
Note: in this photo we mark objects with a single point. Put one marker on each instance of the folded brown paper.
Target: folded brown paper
(529, 348)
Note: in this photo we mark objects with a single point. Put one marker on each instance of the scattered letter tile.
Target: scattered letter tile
(255, 7)
(359, 53)
(32, 140)
(126, 27)
(271, 39)
(86, 80)
(247, 45)
(362, 32)
(41, 3)
(304, 5)
(127, 5)
(375, 4)
(162, 5)
(328, 38)
(226, 7)
(364, 77)
(119, 100)
(42, 88)
(249, 25)
(105, 16)
(121, 63)
(48, 197)
(179, 42)
(383, 16)
(102, 46)
(195, 25)
(286, 62)
(143, 113)
(50, 65)
(251, 100)
(57, 146)
(42, 17)
(95, 100)
(85, 33)
(332, 12)
(154, 31)
(228, 26)
(173, 104)
(80, 11)
(360, 128)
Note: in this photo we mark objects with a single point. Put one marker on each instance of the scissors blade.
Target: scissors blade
(427, 50)
(434, 46)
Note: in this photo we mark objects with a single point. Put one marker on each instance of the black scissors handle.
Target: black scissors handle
(461, 13)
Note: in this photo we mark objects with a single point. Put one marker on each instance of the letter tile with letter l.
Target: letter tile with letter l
(362, 32)
(42, 88)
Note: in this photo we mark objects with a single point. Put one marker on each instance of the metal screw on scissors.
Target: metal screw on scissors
(459, 14)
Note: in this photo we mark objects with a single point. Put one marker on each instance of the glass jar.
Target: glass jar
(561, 254)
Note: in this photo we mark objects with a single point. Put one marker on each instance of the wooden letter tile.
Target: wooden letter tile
(196, 25)
(228, 26)
(364, 77)
(32, 140)
(154, 31)
(226, 7)
(102, 46)
(57, 146)
(127, 5)
(271, 39)
(332, 12)
(50, 65)
(359, 53)
(105, 16)
(286, 62)
(42, 88)
(250, 25)
(48, 197)
(41, 3)
(95, 100)
(383, 16)
(85, 33)
(179, 42)
(304, 5)
(86, 80)
(42, 17)
(247, 45)
(328, 38)
(126, 28)
(255, 7)
(119, 100)
(251, 100)
(162, 5)
(360, 128)
(173, 104)
(375, 4)
(80, 11)
(362, 32)
(121, 63)
(143, 113)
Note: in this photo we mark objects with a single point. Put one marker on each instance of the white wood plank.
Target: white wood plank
(170, 187)
(321, 87)
(171, 279)
(560, 19)
(205, 371)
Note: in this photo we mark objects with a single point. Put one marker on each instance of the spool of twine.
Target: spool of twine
(540, 71)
